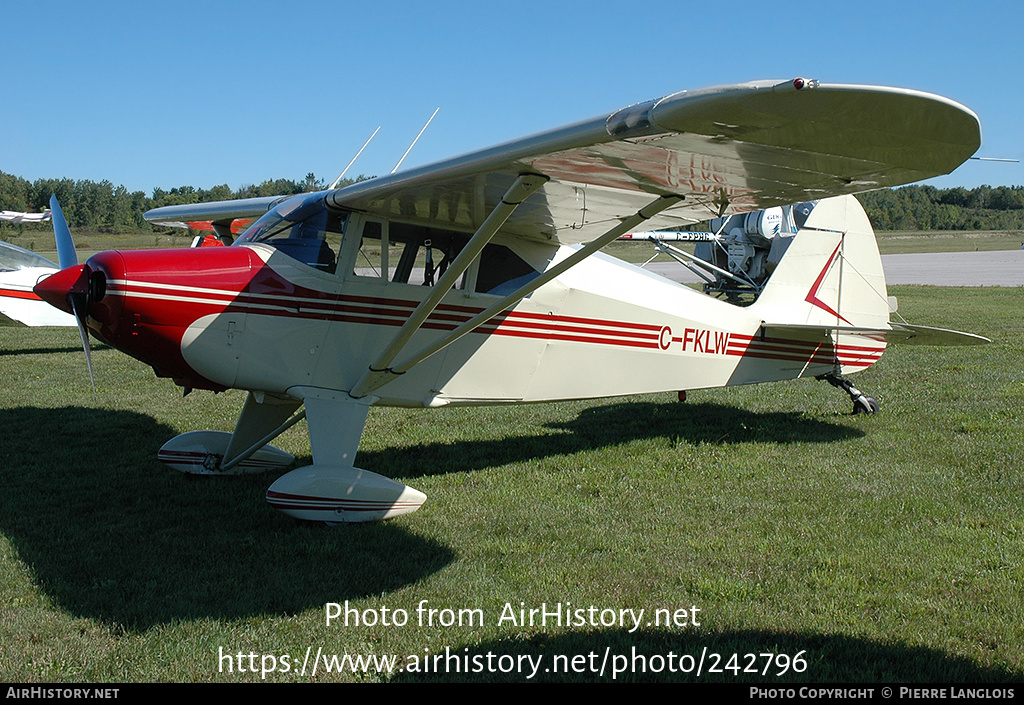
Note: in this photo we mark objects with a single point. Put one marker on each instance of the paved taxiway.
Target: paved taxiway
(999, 268)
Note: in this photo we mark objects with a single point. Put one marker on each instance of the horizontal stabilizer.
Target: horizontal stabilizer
(924, 335)
(899, 333)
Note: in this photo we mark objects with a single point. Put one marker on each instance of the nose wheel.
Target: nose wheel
(862, 404)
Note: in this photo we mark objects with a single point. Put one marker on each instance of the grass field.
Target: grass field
(828, 547)
(898, 242)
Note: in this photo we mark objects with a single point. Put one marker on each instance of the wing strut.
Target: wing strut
(378, 373)
(376, 378)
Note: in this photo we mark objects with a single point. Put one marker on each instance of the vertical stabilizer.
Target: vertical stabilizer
(831, 274)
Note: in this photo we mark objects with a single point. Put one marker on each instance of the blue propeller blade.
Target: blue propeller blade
(66, 255)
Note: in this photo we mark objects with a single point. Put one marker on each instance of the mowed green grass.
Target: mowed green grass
(882, 548)
(901, 242)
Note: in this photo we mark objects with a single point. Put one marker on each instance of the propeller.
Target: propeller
(71, 283)
(66, 254)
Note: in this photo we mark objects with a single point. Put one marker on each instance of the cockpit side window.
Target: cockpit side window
(302, 228)
(372, 258)
(421, 255)
(502, 271)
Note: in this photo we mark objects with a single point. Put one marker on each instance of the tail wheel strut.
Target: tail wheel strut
(862, 404)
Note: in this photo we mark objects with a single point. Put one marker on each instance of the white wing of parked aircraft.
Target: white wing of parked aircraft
(18, 217)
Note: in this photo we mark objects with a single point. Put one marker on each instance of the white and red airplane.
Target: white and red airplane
(477, 280)
(20, 271)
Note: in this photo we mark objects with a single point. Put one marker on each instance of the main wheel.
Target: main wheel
(865, 405)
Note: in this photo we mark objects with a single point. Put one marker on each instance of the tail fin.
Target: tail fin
(830, 281)
(831, 275)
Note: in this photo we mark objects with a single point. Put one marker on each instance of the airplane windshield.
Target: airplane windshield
(13, 257)
(303, 228)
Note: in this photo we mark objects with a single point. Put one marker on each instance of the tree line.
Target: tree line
(104, 207)
(930, 208)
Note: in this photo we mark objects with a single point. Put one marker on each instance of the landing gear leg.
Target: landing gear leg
(861, 404)
(332, 489)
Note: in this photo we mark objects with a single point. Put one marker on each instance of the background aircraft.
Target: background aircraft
(17, 217)
(312, 309)
(670, 236)
(20, 271)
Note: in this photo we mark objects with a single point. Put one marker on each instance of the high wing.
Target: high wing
(722, 150)
(725, 150)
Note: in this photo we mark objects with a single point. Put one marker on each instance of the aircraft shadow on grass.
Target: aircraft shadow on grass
(109, 534)
(48, 351)
(610, 425)
(644, 656)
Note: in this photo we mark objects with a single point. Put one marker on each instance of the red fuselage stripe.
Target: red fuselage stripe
(18, 294)
(394, 312)
(367, 310)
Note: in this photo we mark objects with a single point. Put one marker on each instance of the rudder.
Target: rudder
(831, 274)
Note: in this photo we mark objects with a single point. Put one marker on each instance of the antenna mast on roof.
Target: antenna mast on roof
(413, 143)
(342, 174)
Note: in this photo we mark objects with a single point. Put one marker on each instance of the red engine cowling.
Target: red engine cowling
(142, 301)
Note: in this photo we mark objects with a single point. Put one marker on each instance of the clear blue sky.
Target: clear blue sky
(205, 93)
